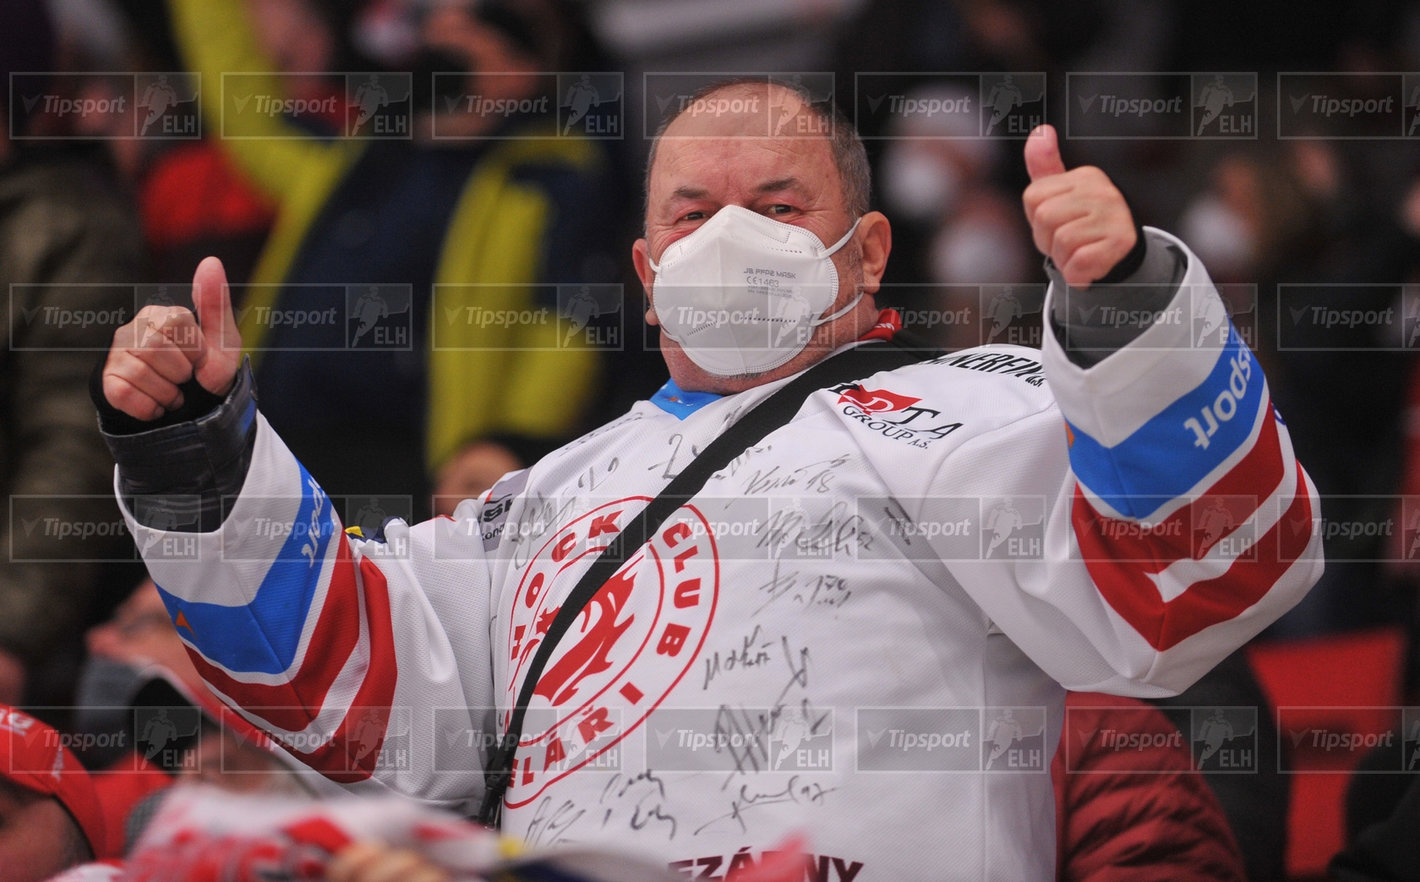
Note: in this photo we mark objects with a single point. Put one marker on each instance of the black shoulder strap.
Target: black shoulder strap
(763, 418)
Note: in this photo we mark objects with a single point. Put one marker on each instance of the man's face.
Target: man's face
(35, 834)
(705, 161)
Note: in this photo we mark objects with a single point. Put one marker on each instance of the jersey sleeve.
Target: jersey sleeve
(351, 653)
(1184, 524)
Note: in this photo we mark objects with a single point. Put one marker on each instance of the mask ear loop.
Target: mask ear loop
(825, 319)
(846, 236)
(848, 307)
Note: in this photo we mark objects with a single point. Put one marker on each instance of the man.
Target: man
(822, 575)
(49, 816)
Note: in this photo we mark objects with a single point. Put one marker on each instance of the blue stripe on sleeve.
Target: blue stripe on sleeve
(1168, 455)
(263, 635)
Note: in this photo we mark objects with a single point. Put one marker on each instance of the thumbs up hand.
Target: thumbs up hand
(166, 346)
(1078, 218)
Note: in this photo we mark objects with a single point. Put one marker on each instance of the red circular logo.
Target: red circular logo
(627, 649)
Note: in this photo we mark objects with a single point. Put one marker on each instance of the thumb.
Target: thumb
(1043, 153)
(212, 300)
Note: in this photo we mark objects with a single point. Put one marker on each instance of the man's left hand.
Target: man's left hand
(1078, 217)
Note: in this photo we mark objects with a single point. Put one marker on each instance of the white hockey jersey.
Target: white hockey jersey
(861, 629)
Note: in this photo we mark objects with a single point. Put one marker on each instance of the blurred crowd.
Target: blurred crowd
(401, 410)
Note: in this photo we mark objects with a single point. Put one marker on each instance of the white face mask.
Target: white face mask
(743, 293)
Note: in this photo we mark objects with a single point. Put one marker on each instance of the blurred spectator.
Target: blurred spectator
(497, 203)
(955, 226)
(1141, 812)
(49, 814)
(69, 256)
(194, 200)
(1384, 850)
(1255, 804)
(137, 667)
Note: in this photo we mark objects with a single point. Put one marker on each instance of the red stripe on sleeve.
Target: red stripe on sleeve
(293, 704)
(351, 752)
(354, 748)
(1133, 595)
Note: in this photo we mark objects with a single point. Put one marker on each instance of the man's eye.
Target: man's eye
(779, 208)
(693, 216)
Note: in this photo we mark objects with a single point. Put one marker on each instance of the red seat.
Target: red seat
(1348, 684)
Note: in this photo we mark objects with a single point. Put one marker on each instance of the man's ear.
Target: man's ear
(875, 241)
(641, 258)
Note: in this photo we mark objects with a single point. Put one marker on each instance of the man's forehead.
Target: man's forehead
(739, 108)
(731, 129)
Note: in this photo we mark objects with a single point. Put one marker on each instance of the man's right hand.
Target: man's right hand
(166, 346)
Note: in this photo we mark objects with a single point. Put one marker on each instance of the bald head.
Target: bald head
(757, 109)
